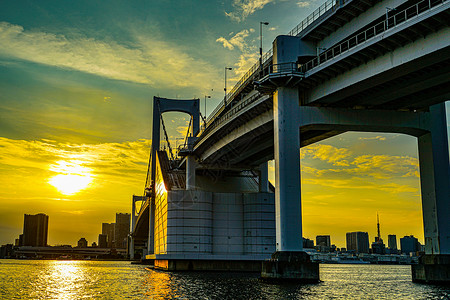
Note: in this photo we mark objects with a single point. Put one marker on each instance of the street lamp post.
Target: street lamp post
(388, 9)
(260, 45)
(225, 89)
(204, 120)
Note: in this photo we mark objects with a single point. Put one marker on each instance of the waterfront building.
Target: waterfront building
(102, 241)
(392, 242)
(108, 230)
(323, 240)
(323, 243)
(307, 243)
(35, 230)
(121, 230)
(82, 243)
(409, 244)
(358, 242)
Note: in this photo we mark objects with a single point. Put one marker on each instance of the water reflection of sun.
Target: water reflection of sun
(72, 178)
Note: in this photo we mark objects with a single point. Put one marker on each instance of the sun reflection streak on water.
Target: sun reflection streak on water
(62, 280)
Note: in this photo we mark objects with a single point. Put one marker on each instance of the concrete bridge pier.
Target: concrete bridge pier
(434, 266)
(289, 262)
(264, 177)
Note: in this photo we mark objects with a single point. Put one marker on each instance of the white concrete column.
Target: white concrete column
(190, 172)
(288, 212)
(264, 177)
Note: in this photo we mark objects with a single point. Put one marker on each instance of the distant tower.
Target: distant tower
(35, 230)
(378, 238)
(378, 246)
(82, 243)
(392, 242)
(358, 242)
(108, 230)
(121, 230)
(102, 241)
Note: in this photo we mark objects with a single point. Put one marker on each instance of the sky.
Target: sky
(77, 79)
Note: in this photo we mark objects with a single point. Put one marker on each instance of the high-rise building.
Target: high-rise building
(392, 242)
(108, 230)
(102, 241)
(121, 230)
(82, 243)
(358, 242)
(35, 230)
(307, 243)
(409, 244)
(323, 240)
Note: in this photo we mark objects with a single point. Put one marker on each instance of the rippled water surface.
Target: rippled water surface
(34, 279)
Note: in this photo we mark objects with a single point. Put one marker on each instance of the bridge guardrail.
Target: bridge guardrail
(373, 31)
(216, 122)
(330, 4)
(345, 46)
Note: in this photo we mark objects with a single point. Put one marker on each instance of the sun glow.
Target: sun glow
(72, 178)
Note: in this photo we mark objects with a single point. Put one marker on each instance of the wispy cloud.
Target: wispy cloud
(378, 137)
(244, 8)
(149, 61)
(237, 40)
(303, 3)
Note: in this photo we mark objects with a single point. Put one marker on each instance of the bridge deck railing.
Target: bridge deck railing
(330, 4)
(327, 55)
(373, 31)
(244, 80)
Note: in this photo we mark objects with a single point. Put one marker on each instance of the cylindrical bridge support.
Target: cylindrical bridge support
(288, 212)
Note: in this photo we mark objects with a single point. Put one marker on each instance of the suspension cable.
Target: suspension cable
(187, 133)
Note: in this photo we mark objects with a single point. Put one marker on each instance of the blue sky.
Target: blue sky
(77, 80)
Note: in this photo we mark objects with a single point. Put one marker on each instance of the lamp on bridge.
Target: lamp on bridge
(204, 117)
(225, 89)
(388, 9)
(260, 45)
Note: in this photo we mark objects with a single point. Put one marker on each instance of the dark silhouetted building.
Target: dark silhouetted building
(409, 244)
(35, 230)
(392, 242)
(82, 243)
(102, 241)
(358, 242)
(6, 251)
(108, 230)
(307, 243)
(121, 230)
(323, 240)
(323, 243)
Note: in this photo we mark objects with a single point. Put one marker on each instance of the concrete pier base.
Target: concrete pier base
(290, 266)
(207, 265)
(432, 268)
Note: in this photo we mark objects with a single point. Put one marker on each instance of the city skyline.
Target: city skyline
(77, 82)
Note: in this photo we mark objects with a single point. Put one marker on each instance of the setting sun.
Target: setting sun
(73, 177)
